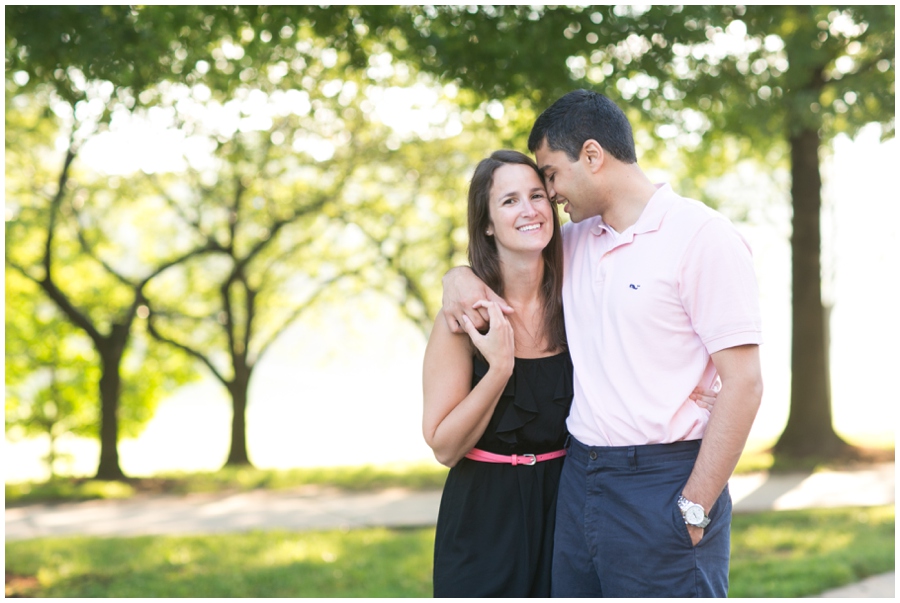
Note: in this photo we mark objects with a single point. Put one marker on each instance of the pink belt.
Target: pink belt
(516, 459)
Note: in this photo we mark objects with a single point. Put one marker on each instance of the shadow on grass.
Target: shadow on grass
(850, 457)
(413, 476)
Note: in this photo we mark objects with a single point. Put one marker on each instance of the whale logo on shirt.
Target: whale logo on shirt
(635, 287)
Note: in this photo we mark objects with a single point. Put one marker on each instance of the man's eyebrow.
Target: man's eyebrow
(543, 170)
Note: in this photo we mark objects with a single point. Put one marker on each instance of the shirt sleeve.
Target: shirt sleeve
(718, 288)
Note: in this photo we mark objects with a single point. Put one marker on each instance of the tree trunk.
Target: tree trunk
(809, 430)
(110, 391)
(238, 388)
(52, 454)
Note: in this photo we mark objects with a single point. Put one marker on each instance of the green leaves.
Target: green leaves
(50, 368)
(749, 71)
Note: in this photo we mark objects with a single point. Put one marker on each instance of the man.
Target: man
(659, 296)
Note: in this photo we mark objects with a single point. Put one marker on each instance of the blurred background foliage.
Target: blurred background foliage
(298, 186)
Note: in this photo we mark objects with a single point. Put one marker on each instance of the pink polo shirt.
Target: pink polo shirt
(644, 310)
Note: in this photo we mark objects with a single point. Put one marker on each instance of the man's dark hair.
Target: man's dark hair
(582, 115)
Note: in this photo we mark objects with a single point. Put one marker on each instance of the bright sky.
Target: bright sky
(346, 389)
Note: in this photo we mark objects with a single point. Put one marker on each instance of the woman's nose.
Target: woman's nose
(528, 208)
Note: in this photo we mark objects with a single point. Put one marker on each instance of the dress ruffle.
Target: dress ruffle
(521, 386)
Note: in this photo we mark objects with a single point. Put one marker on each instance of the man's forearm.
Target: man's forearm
(729, 424)
(723, 443)
(453, 273)
(462, 289)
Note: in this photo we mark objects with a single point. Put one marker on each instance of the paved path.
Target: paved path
(314, 508)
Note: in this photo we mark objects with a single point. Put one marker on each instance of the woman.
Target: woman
(496, 403)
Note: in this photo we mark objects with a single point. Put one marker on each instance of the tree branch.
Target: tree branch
(300, 309)
(46, 283)
(276, 226)
(151, 327)
(250, 309)
(55, 204)
(411, 286)
(176, 207)
(234, 218)
(69, 309)
(859, 72)
(224, 291)
(89, 251)
(208, 247)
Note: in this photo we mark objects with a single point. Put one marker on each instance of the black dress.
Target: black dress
(494, 535)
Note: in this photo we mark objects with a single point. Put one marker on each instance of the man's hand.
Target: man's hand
(696, 534)
(462, 292)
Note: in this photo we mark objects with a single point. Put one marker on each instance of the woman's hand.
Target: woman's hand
(498, 345)
(455, 414)
(704, 398)
(462, 289)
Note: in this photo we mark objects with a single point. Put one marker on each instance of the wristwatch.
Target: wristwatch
(694, 514)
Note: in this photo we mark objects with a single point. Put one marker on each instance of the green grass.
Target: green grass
(360, 563)
(801, 553)
(416, 476)
(775, 554)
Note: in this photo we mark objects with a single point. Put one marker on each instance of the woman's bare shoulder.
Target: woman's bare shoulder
(441, 334)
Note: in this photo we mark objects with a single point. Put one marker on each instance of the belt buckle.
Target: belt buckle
(532, 460)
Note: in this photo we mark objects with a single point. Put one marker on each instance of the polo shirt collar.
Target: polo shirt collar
(650, 219)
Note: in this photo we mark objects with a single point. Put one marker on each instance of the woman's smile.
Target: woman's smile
(530, 227)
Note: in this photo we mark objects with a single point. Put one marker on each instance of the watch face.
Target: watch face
(694, 514)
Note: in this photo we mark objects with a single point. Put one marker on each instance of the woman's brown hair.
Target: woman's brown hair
(483, 255)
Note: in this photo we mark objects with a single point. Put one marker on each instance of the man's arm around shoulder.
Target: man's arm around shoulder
(462, 289)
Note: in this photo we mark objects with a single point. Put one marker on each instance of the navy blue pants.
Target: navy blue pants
(619, 532)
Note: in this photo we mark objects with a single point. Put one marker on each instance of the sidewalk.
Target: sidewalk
(318, 508)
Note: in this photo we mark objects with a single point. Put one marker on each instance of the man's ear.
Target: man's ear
(593, 154)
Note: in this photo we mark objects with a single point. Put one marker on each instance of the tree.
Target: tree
(275, 258)
(56, 240)
(87, 65)
(52, 372)
(49, 372)
(269, 204)
(840, 77)
(68, 70)
(293, 203)
(771, 83)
